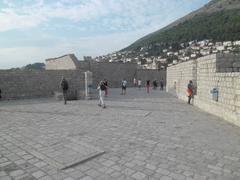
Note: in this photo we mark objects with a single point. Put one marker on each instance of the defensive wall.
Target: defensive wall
(32, 83)
(217, 84)
(16, 84)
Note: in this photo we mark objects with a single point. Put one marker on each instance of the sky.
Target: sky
(34, 30)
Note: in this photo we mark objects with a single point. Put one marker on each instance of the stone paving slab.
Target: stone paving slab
(144, 136)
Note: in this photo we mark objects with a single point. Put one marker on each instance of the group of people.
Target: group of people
(103, 89)
(138, 83)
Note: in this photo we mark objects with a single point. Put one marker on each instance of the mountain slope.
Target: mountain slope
(218, 20)
(35, 66)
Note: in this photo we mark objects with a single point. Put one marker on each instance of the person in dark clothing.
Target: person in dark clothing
(64, 86)
(161, 85)
(190, 91)
(155, 84)
(148, 85)
(106, 87)
(124, 86)
(0, 94)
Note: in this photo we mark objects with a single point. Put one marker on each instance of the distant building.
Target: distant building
(87, 58)
(65, 62)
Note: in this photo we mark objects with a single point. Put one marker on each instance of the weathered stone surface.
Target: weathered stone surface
(206, 75)
(174, 141)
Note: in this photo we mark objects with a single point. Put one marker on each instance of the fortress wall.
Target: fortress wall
(64, 62)
(114, 73)
(16, 84)
(151, 74)
(228, 84)
(178, 77)
(30, 84)
(208, 77)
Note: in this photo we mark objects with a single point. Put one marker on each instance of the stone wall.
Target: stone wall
(66, 62)
(178, 77)
(206, 78)
(30, 84)
(113, 72)
(228, 84)
(149, 74)
(231, 65)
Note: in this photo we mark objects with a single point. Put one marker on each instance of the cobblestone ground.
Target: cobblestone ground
(144, 137)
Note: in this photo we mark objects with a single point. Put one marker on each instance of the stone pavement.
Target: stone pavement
(137, 137)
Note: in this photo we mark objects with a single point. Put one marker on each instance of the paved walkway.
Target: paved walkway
(138, 137)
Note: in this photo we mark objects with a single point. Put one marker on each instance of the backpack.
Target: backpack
(102, 87)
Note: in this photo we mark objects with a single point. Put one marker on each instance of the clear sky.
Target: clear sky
(34, 30)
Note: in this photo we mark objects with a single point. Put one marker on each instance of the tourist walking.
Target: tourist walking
(135, 82)
(190, 91)
(64, 86)
(124, 87)
(155, 84)
(0, 94)
(139, 84)
(101, 88)
(106, 87)
(161, 84)
(148, 86)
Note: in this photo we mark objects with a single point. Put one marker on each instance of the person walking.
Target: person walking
(139, 84)
(161, 84)
(155, 84)
(148, 86)
(64, 86)
(101, 88)
(106, 87)
(135, 82)
(124, 87)
(190, 91)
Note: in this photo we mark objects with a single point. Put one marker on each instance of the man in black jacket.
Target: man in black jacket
(64, 86)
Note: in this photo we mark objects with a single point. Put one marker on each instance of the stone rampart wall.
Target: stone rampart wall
(113, 72)
(30, 84)
(206, 78)
(149, 74)
(178, 77)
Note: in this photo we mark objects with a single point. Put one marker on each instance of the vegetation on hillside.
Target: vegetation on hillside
(35, 66)
(218, 26)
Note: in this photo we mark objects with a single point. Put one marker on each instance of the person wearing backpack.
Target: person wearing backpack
(64, 86)
(101, 88)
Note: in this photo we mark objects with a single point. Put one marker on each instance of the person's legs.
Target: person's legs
(103, 104)
(65, 97)
(106, 91)
(189, 99)
(101, 98)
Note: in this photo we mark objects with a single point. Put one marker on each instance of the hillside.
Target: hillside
(35, 66)
(218, 20)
